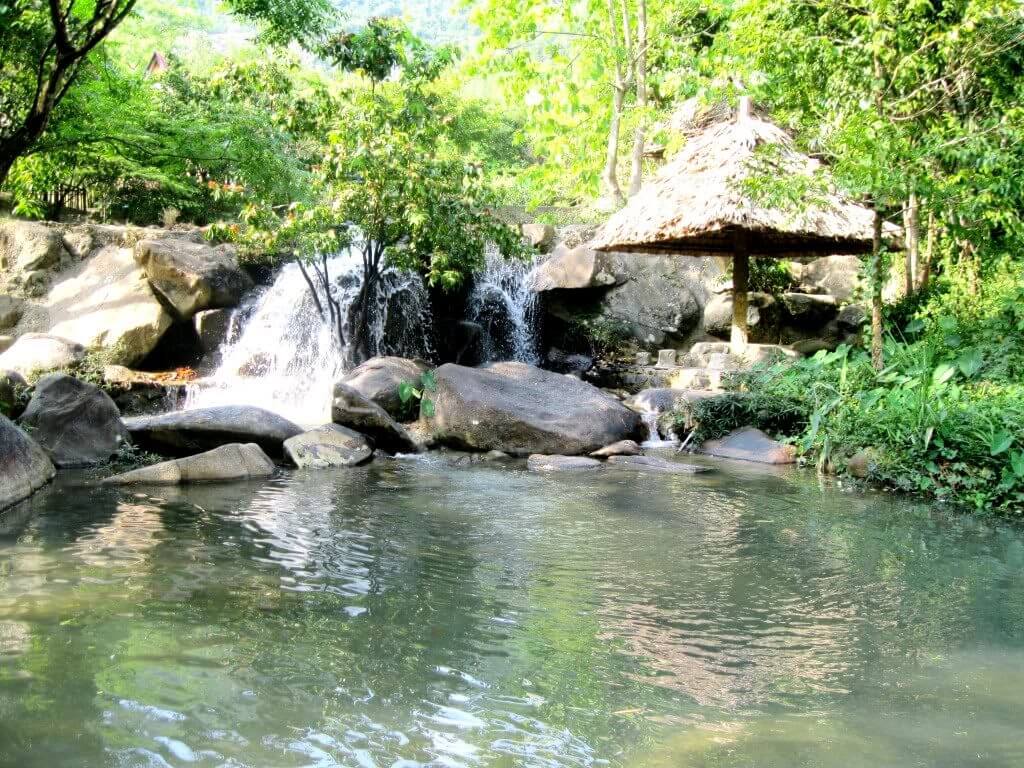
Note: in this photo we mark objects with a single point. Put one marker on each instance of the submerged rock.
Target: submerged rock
(655, 464)
(621, 448)
(192, 276)
(378, 380)
(352, 409)
(750, 444)
(36, 353)
(541, 463)
(235, 461)
(329, 446)
(519, 409)
(76, 423)
(24, 466)
(183, 433)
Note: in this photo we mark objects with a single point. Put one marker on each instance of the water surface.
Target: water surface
(417, 613)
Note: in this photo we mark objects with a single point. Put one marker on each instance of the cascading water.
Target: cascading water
(286, 357)
(505, 308)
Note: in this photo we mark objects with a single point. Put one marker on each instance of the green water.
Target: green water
(416, 613)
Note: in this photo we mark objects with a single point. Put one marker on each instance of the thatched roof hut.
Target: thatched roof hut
(739, 187)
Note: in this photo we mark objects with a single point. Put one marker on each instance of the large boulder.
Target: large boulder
(656, 464)
(329, 446)
(36, 353)
(213, 327)
(764, 316)
(521, 410)
(838, 276)
(750, 444)
(11, 309)
(378, 380)
(350, 408)
(192, 276)
(12, 384)
(227, 463)
(182, 433)
(539, 236)
(579, 267)
(106, 303)
(27, 246)
(24, 466)
(75, 422)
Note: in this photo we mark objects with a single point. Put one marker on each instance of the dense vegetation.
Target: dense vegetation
(298, 127)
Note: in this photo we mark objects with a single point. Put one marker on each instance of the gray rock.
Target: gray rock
(352, 409)
(852, 317)
(495, 456)
(519, 409)
(212, 327)
(862, 463)
(182, 433)
(27, 246)
(838, 276)
(12, 384)
(106, 303)
(24, 466)
(763, 316)
(666, 358)
(621, 448)
(655, 464)
(571, 268)
(76, 423)
(36, 353)
(6, 342)
(227, 463)
(750, 444)
(11, 309)
(568, 363)
(329, 446)
(542, 463)
(809, 311)
(378, 380)
(539, 236)
(192, 276)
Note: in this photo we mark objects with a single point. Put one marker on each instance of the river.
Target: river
(415, 612)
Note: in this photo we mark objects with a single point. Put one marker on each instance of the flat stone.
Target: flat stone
(655, 464)
(352, 409)
(35, 353)
(182, 433)
(750, 444)
(76, 423)
(666, 358)
(24, 466)
(328, 446)
(522, 410)
(226, 463)
(543, 463)
(621, 448)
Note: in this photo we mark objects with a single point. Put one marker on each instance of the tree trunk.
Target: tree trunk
(877, 358)
(610, 189)
(637, 165)
(7, 158)
(929, 254)
(740, 280)
(911, 247)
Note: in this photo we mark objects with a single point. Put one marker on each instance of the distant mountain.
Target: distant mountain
(435, 21)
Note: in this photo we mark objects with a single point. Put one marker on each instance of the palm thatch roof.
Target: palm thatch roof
(739, 180)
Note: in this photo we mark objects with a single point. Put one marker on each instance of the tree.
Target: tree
(394, 183)
(44, 48)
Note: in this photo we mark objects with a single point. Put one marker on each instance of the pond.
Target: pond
(415, 612)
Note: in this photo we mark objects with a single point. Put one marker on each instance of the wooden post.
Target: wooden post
(740, 280)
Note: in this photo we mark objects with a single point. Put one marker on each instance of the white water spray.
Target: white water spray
(506, 309)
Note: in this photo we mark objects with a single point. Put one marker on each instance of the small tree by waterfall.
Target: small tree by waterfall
(398, 183)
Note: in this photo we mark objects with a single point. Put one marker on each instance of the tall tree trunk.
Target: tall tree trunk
(640, 64)
(877, 358)
(911, 246)
(7, 158)
(929, 254)
(610, 189)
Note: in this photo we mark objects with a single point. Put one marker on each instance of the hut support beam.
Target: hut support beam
(740, 281)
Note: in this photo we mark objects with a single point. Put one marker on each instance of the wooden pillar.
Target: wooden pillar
(740, 280)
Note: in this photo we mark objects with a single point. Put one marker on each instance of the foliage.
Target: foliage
(716, 416)
(411, 392)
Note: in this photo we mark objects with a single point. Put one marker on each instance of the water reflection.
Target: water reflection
(416, 613)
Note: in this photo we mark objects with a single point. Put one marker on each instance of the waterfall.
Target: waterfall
(507, 311)
(286, 358)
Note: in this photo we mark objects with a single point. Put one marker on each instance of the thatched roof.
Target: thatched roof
(724, 185)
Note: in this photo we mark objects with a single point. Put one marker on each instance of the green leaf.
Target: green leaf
(405, 391)
(429, 381)
(970, 362)
(1001, 442)
(915, 325)
(1017, 463)
(427, 408)
(943, 373)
